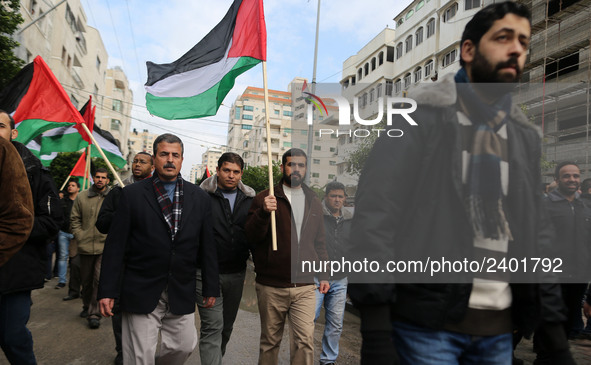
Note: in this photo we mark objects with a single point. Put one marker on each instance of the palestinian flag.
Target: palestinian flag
(109, 145)
(80, 166)
(195, 85)
(38, 101)
(63, 139)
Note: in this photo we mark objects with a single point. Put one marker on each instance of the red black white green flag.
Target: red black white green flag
(195, 85)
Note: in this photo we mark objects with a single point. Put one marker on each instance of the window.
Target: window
(115, 125)
(373, 63)
(315, 174)
(397, 86)
(366, 67)
(332, 163)
(390, 54)
(317, 148)
(389, 87)
(418, 74)
(428, 68)
(237, 113)
(359, 74)
(287, 144)
(399, 50)
(117, 106)
(316, 161)
(332, 149)
(248, 108)
(379, 90)
(407, 80)
(450, 12)
(246, 117)
(408, 43)
(287, 130)
(471, 4)
(381, 58)
(419, 36)
(95, 92)
(330, 176)
(303, 146)
(287, 113)
(371, 95)
(64, 54)
(409, 14)
(247, 126)
(430, 27)
(400, 22)
(304, 132)
(449, 58)
(98, 63)
(420, 5)
(276, 112)
(364, 100)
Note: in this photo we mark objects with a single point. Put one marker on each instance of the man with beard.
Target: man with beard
(283, 289)
(141, 167)
(90, 242)
(458, 186)
(571, 219)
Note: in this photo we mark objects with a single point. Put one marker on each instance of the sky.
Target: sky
(136, 31)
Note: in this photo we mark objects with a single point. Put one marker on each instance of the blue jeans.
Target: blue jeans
(423, 346)
(63, 243)
(334, 313)
(15, 339)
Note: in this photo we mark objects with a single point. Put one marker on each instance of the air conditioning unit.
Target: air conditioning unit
(285, 134)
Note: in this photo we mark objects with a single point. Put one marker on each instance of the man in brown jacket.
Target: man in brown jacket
(283, 289)
(16, 204)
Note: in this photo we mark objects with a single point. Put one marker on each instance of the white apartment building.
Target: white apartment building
(424, 46)
(140, 141)
(210, 159)
(116, 116)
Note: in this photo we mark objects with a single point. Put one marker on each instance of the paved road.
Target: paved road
(63, 338)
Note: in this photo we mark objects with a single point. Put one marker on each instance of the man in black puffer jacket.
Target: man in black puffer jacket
(25, 271)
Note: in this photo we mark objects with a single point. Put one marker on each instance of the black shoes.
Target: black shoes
(60, 285)
(84, 313)
(119, 359)
(70, 297)
(93, 323)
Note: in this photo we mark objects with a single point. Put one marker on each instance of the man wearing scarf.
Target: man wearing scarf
(162, 229)
(458, 186)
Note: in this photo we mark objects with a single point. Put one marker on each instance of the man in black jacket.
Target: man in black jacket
(442, 191)
(230, 202)
(25, 271)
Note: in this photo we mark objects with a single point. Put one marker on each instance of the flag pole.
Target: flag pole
(65, 182)
(103, 155)
(86, 168)
(269, 156)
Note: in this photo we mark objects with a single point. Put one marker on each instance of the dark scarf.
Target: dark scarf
(484, 194)
(172, 211)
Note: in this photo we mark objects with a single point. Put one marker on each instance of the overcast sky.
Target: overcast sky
(136, 31)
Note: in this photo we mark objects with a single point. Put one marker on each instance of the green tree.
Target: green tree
(10, 18)
(356, 160)
(62, 165)
(257, 177)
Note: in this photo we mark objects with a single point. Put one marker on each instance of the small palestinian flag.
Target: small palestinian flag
(195, 85)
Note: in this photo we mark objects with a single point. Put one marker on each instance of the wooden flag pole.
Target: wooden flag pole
(65, 182)
(103, 155)
(269, 156)
(86, 168)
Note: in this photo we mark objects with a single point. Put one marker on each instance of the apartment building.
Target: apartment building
(117, 103)
(210, 159)
(140, 141)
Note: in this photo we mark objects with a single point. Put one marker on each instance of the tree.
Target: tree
(257, 177)
(62, 165)
(356, 159)
(10, 19)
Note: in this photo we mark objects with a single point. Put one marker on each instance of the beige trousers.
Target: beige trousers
(140, 336)
(298, 305)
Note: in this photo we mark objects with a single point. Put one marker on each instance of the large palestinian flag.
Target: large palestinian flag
(195, 85)
(38, 101)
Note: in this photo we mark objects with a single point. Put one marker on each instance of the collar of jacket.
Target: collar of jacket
(444, 93)
(556, 196)
(210, 185)
(92, 192)
(346, 214)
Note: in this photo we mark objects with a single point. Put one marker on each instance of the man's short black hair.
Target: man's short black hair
(168, 138)
(12, 123)
(144, 153)
(484, 19)
(334, 185)
(231, 157)
(75, 182)
(291, 153)
(585, 186)
(561, 165)
(102, 170)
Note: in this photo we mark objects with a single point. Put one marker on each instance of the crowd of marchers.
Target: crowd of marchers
(151, 252)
